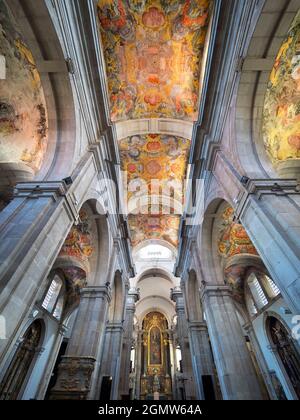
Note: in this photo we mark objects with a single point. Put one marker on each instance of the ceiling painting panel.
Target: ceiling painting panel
(154, 157)
(155, 166)
(153, 51)
(281, 117)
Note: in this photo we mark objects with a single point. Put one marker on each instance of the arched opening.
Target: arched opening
(21, 365)
(286, 350)
(37, 114)
(266, 117)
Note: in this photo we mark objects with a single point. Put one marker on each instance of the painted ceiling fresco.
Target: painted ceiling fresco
(154, 227)
(234, 240)
(78, 244)
(154, 52)
(281, 120)
(153, 164)
(154, 157)
(23, 116)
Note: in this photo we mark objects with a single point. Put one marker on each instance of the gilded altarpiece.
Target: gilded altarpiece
(156, 368)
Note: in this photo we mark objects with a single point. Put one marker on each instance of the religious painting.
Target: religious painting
(153, 51)
(155, 343)
(281, 117)
(154, 326)
(23, 114)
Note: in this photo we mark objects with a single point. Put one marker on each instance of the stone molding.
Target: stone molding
(210, 291)
(101, 292)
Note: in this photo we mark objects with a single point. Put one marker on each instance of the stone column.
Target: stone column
(235, 369)
(111, 358)
(132, 297)
(33, 228)
(138, 364)
(269, 211)
(182, 335)
(76, 370)
(173, 363)
(203, 364)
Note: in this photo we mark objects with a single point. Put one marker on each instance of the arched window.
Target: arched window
(257, 291)
(250, 304)
(54, 299)
(270, 286)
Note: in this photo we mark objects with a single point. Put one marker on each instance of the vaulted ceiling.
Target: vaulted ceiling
(154, 54)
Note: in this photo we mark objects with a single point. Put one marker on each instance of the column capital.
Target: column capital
(197, 326)
(134, 294)
(218, 290)
(176, 293)
(44, 189)
(114, 327)
(103, 292)
(260, 187)
(40, 189)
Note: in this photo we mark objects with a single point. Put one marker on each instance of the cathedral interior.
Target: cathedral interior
(149, 200)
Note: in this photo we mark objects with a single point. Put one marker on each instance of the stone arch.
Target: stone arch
(88, 244)
(211, 264)
(157, 272)
(263, 47)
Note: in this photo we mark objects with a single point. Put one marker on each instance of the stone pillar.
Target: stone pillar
(33, 228)
(111, 358)
(182, 335)
(76, 370)
(132, 297)
(269, 211)
(235, 369)
(203, 364)
(173, 363)
(138, 364)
